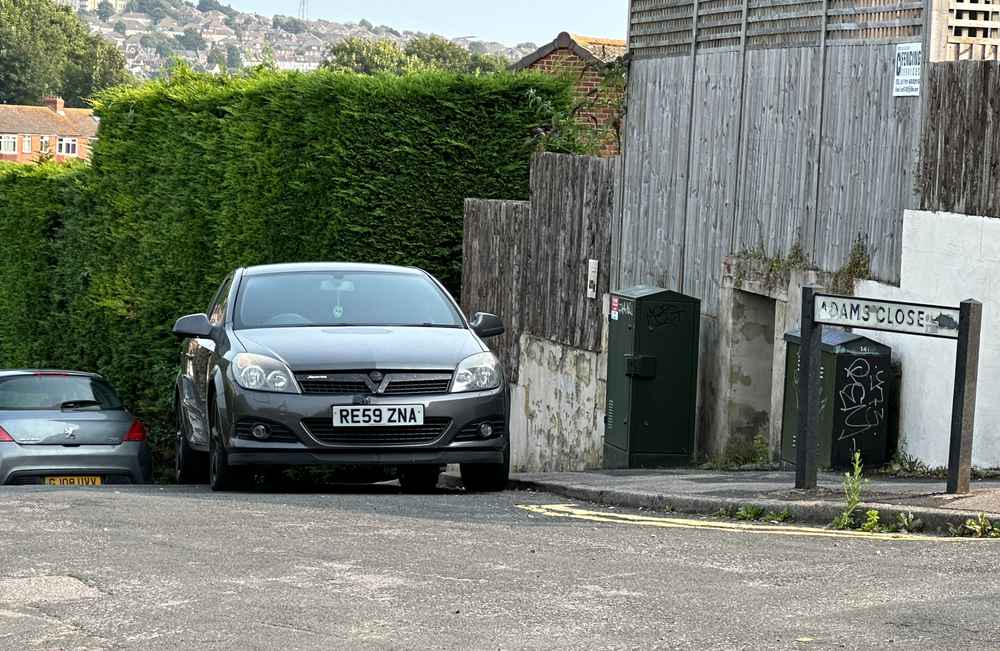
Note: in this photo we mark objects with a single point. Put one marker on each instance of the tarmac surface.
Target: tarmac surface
(369, 567)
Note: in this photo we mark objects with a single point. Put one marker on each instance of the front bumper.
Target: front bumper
(290, 411)
(124, 463)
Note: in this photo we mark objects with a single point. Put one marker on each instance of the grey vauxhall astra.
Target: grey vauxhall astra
(330, 364)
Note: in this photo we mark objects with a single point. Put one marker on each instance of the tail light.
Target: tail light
(5, 437)
(137, 432)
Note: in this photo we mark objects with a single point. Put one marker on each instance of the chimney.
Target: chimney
(55, 104)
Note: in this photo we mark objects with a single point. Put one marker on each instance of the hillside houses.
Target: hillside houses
(191, 35)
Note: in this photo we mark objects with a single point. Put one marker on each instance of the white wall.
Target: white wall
(947, 258)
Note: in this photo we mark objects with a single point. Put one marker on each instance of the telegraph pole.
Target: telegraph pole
(303, 9)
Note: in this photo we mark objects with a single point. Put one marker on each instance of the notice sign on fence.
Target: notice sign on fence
(913, 318)
(906, 82)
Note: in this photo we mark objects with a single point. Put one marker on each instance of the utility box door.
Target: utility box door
(652, 378)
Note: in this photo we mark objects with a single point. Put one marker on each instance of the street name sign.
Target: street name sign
(890, 316)
(962, 323)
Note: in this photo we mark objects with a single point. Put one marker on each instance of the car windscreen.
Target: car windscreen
(51, 391)
(360, 298)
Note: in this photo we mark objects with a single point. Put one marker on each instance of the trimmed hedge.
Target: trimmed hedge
(195, 176)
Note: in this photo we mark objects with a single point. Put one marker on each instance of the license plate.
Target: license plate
(73, 481)
(378, 416)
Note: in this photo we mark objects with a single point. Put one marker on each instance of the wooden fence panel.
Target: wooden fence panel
(571, 201)
(960, 141)
(527, 262)
(494, 248)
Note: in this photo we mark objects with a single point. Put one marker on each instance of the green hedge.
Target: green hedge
(197, 175)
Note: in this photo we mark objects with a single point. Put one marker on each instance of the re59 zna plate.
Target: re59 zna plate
(378, 416)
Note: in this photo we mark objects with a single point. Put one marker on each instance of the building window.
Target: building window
(26, 145)
(8, 144)
(43, 145)
(66, 146)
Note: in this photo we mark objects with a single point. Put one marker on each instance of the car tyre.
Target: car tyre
(486, 477)
(221, 475)
(419, 479)
(190, 466)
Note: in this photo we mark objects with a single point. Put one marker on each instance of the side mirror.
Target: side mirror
(193, 325)
(486, 325)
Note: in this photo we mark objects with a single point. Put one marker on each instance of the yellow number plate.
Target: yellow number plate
(73, 481)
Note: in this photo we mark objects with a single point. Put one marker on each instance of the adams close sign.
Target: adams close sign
(911, 318)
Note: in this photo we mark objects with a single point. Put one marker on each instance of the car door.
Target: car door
(200, 351)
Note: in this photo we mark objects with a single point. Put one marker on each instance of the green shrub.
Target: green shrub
(196, 175)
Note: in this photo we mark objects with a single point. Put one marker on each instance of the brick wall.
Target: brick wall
(600, 112)
(83, 147)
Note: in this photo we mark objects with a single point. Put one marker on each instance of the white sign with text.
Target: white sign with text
(913, 318)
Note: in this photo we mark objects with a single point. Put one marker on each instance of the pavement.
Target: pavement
(709, 491)
(368, 567)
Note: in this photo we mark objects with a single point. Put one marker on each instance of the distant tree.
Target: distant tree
(164, 44)
(366, 24)
(484, 64)
(215, 5)
(368, 56)
(192, 40)
(105, 10)
(120, 27)
(440, 53)
(217, 59)
(234, 58)
(47, 50)
(288, 24)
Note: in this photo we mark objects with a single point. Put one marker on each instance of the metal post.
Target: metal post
(809, 388)
(963, 406)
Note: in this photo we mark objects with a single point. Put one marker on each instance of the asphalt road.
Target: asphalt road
(182, 568)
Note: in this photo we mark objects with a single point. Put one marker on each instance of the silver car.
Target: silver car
(68, 428)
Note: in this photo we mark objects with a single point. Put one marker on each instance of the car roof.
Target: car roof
(327, 266)
(10, 372)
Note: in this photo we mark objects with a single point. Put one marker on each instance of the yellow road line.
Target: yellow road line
(572, 511)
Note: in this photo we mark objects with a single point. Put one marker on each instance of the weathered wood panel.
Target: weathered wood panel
(960, 140)
(868, 160)
(571, 201)
(777, 182)
(494, 248)
(710, 194)
(655, 172)
(527, 262)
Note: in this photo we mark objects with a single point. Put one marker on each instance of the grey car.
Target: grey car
(339, 364)
(68, 428)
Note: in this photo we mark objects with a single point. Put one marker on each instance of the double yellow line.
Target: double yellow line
(571, 511)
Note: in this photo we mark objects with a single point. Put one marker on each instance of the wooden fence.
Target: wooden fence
(764, 125)
(528, 261)
(960, 144)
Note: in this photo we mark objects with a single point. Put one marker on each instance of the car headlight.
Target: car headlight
(262, 373)
(480, 372)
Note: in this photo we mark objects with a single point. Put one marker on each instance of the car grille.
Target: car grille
(279, 433)
(360, 383)
(471, 431)
(323, 430)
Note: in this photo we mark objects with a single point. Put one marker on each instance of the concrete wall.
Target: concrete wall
(946, 258)
(557, 406)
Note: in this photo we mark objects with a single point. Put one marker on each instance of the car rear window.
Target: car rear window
(362, 298)
(51, 391)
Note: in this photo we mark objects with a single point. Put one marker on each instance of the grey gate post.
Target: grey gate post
(963, 406)
(809, 388)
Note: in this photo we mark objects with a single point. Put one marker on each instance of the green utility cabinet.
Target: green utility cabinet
(652, 378)
(856, 379)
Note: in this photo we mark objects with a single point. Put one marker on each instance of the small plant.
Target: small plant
(749, 512)
(726, 512)
(977, 527)
(853, 485)
(778, 516)
(905, 522)
(871, 523)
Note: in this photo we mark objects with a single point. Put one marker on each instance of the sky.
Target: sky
(506, 21)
